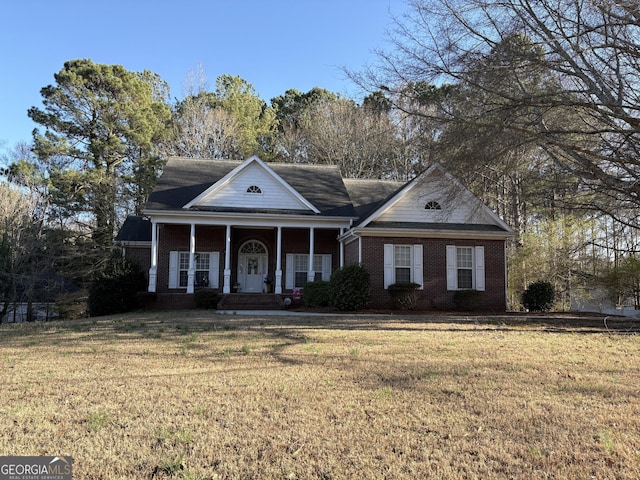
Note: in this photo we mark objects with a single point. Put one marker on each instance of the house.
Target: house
(231, 225)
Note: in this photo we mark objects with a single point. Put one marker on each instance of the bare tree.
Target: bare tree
(574, 92)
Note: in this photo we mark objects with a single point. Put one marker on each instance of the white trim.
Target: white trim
(233, 173)
(174, 271)
(479, 274)
(417, 270)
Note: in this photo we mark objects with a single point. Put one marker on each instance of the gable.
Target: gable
(254, 187)
(192, 184)
(434, 200)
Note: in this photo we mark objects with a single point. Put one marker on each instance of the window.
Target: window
(402, 264)
(254, 189)
(432, 205)
(202, 267)
(298, 269)
(206, 268)
(465, 268)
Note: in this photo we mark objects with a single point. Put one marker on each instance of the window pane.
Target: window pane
(464, 257)
(202, 261)
(302, 264)
(202, 278)
(184, 261)
(183, 278)
(465, 279)
(402, 255)
(403, 275)
(300, 279)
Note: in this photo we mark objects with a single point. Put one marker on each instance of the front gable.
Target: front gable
(434, 198)
(252, 185)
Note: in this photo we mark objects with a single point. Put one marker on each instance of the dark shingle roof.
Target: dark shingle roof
(367, 195)
(183, 179)
(135, 229)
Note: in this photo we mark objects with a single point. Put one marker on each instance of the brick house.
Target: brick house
(256, 227)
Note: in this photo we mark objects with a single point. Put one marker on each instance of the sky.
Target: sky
(274, 45)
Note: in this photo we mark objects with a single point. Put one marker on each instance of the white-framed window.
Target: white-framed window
(465, 268)
(297, 273)
(403, 264)
(254, 189)
(206, 266)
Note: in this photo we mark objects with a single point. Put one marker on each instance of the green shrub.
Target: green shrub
(206, 298)
(114, 290)
(349, 287)
(316, 294)
(404, 295)
(539, 296)
(467, 300)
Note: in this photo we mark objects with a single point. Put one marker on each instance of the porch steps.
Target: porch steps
(251, 301)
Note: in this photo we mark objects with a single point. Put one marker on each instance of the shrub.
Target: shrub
(404, 295)
(316, 294)
(349, 287)
(206, 298)
(114, 290)
(538, 297)
(467, 300)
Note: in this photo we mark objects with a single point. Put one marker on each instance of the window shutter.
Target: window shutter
(452, 277)
(288, 282)
(173, 269)
(326, 267)
(388, 265)
(417, 266)
(214, 269)
(479, 268)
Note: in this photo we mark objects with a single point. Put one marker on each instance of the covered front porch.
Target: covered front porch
(245, 256)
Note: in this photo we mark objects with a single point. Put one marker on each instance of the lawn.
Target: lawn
(196, 395)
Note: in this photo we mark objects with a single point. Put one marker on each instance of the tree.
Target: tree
(586, 57)
(101, 123)
(231, 123)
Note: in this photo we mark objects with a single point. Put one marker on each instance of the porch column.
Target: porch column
(341, 246)
(278, 278)
(226, 286)
(311, 275)
(192, 254)
(360, 250)
(153, 271)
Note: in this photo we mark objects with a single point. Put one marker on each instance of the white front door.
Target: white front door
(252, 267)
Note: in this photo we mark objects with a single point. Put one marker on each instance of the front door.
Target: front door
(252, 266)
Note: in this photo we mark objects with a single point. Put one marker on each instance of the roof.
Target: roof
(369, 194)
(322, 185)
(135, 229)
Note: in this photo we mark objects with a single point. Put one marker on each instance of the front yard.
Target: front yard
(197, 395)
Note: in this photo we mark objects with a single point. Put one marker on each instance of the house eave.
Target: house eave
(246, 219)
(425, 233)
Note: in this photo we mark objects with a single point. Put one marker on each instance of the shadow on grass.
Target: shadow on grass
(180, 325)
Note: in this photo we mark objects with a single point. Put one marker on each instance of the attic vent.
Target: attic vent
(254, 189)
(432, 205)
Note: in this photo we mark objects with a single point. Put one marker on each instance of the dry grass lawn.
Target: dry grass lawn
(195, 395)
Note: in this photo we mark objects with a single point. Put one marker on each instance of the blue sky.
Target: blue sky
(274, 45)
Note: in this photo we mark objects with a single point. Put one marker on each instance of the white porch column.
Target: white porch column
(191, 273)
(341, 249)
(226, 287)
(278, 279)
(311, 275)
(360, 250)
(153, 271)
